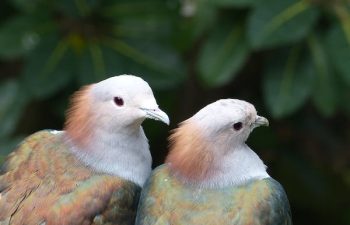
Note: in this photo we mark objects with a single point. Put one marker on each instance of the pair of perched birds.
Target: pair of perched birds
(94, 170)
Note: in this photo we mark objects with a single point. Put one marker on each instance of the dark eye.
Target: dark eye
(237, 126)
(118, 101)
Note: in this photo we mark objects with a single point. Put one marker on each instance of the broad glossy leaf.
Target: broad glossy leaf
(27, 6)
(159, 64)
(223, 54)
(99, 62)
(17, 36)
(13, 99)
(338, 46)
(199, 16)
(234, 3)
(275, 22)
(324, 91)
(288, 81)
(48, 68)
(137, 9)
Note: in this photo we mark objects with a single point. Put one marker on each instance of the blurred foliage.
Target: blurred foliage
(293, 57)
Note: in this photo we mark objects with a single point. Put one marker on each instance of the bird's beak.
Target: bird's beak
(156, 114)
(260, 121)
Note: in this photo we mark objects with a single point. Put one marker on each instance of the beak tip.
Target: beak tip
(261, 121)
(165, 120)
(157, 114)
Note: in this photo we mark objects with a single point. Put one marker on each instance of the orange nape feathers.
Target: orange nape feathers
(190, 156)
(79, 125)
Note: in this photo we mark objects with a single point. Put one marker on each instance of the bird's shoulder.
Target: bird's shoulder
(166, 198)
(275, 208)
(42, 181)
(25, 149)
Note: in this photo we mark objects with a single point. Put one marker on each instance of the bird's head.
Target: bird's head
(227, 120)
(210, 134)
(117, 104)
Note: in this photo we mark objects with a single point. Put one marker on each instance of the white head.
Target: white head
(117, 104)
(201, 144)
(103, 126)
(227, 120)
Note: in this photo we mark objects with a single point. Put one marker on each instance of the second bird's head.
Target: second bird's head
(226, 122)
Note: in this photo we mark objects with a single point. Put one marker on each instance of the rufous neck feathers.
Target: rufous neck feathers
(79, 120)
(190, 156)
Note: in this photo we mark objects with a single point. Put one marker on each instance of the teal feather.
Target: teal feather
(166, 200)
(42, 182)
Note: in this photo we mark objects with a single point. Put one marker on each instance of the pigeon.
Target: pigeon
(211, 176)
(93, 171)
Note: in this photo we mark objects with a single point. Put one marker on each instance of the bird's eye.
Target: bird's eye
(118, 101)
(237, 126)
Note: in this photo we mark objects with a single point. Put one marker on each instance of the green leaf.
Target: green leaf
(275, 22)
(201, 15)
(324, 92)
(48, 68)
(7, 146)
(234, 3)
(338, 47)
(136, 9)
(13, 99)
(17, 37)
(26, 6)
(224, 53)
(143, 59)
(288, 82)
(99, 62)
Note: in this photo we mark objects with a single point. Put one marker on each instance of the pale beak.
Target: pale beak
(156, 114)
(260, 121)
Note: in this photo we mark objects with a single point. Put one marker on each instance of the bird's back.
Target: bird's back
(165, 200)
(43, 183)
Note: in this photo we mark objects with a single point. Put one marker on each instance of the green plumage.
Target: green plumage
(43, 183)
(167, 201)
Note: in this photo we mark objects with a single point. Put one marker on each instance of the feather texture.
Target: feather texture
(43, 183)
(189, 153)
(80, 121)
(166, 200)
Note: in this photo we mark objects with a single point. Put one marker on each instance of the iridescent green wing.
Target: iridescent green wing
(121, 207)
(277, 205)
(165, 200)
(43, 183)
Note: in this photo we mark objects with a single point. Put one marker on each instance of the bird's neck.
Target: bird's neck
(236, 167)
(211, 165)
(121, 153)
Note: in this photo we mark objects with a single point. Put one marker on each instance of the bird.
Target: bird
(93, 170)
(211, 176)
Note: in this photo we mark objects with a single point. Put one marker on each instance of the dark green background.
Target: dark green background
(290, 58)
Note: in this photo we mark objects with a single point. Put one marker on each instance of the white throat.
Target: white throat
(125, 155)
(237, 167)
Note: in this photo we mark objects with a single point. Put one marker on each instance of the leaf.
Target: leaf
(323, 96)
(26, 6)
(288, 82)
(48, 68)
(17, 36)
(234, 3)
(338, 46)
(7, 146)
(159, 64)
(274, 22)
(136, 9)
(99, 62)
(13, 99)
(201, 16)
(224, 53)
